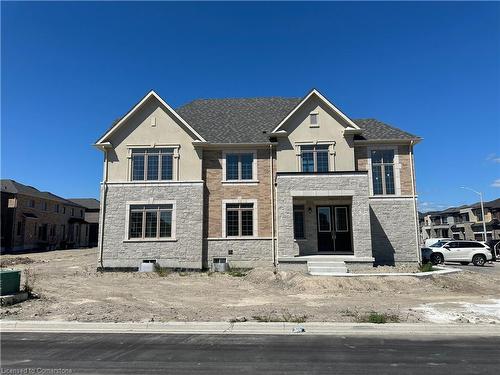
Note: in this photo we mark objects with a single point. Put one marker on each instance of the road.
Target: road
(248, 354)
(488, 269)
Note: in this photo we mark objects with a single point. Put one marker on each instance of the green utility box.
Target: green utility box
(9, 282)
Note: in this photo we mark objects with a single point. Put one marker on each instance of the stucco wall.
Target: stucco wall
(331, 128)
(138, 131)
(184, 252)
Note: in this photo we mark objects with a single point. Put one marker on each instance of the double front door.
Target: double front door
(334, 229)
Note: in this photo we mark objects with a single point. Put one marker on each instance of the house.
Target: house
(92, 207)
(255, 182)
(464, 222)
(33, 219)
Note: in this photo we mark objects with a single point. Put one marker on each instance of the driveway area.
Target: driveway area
(71, 289)
(487, 269)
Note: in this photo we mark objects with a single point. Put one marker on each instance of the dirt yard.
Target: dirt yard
(70, 288)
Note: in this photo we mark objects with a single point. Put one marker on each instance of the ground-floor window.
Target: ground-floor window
(239, 219)
(150, 221)
(298, 222)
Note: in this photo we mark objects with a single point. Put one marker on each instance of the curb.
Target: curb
(415, 330)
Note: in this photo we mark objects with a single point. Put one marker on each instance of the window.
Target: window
(314, 158)
(31, 203)
(42, 232)
(383, 172)
(239, 219)
(52, 232)
(152, 164)
(81, 213)
(63, 232)
(19, 228)
(298, 222)
(64, 210)
(72, 212)
(45, 206)
(150, 221)
(313, 120)
(239, 166)
(56, 208)
(324, 219)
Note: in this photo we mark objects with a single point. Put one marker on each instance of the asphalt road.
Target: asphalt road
(487, 269)
(248, 354)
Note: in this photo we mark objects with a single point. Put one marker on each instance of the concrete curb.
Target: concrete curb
(255, 328)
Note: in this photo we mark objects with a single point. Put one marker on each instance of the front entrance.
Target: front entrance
(334, 229)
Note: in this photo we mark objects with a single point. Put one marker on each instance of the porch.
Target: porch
(325, 215)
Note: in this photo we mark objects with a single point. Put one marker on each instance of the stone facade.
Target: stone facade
(334, 186)
(183, 251)
(246, 253)
(393, 230)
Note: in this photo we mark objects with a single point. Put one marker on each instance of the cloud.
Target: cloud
(496, 183)
(493, 158)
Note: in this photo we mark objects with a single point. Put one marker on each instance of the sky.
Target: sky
(68, 70)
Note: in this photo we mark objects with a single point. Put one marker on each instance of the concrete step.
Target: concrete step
(311, 263)
(327, 269)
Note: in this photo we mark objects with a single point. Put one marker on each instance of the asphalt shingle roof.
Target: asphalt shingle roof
(14, 187)
(246, 120)
(89, 203)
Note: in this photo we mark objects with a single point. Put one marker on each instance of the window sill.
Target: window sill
(150, 240)
(299, 239)
(238, 238)
(240, 182)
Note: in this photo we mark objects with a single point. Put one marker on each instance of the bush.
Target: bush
(284, 317)
(426, 267)
(377, 318)
(238, 272)
(29, 281)
(161, 271)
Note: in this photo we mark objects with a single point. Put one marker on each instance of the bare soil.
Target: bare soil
(71, 289)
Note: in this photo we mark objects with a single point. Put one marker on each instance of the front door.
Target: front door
(334, 229)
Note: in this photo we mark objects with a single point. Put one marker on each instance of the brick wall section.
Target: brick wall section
(393, 230)
(28, 239)
(216, 191)
(361, 162)
(185, 252)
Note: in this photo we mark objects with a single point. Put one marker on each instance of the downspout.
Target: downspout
(415, 210)
(271, 181)
(103, 207)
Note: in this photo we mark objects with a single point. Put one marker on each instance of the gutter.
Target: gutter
(271, 180)
(415, 210)
(103, 203)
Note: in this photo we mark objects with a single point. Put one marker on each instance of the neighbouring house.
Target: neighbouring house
(463, 223)
(33, 219)
(92, 207)
(255, 182)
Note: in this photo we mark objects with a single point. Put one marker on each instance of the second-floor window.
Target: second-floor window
(152, 164)
(314, 158)
(383, 172)
(239, 166)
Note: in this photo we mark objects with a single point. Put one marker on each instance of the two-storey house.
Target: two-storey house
(256, 182)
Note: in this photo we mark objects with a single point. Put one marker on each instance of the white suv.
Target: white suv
(458, 251)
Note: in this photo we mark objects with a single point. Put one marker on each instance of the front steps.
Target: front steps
(326, 267)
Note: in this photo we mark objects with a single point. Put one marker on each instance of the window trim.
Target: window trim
(397, 170)
(254, 215)
(173, 234)
(254, 179)
(331, 154)
(175, 162)
(300, 208)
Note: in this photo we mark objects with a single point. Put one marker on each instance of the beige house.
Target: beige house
(255, 182)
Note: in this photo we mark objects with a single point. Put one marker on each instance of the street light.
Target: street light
(482, 208)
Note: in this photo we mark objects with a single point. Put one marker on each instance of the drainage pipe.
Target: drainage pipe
(414, 198)
(103, 207)
(271, 184)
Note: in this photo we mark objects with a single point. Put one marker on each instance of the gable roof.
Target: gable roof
(252, 120)
(152, 94)
(14, 187)
(316, 93)
(88, 203)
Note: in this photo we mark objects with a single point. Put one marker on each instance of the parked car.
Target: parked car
(464, 252)
(431, 241)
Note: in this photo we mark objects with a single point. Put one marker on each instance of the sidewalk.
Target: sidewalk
(419, 330)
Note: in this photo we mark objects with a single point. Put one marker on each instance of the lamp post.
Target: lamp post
(482, 209)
